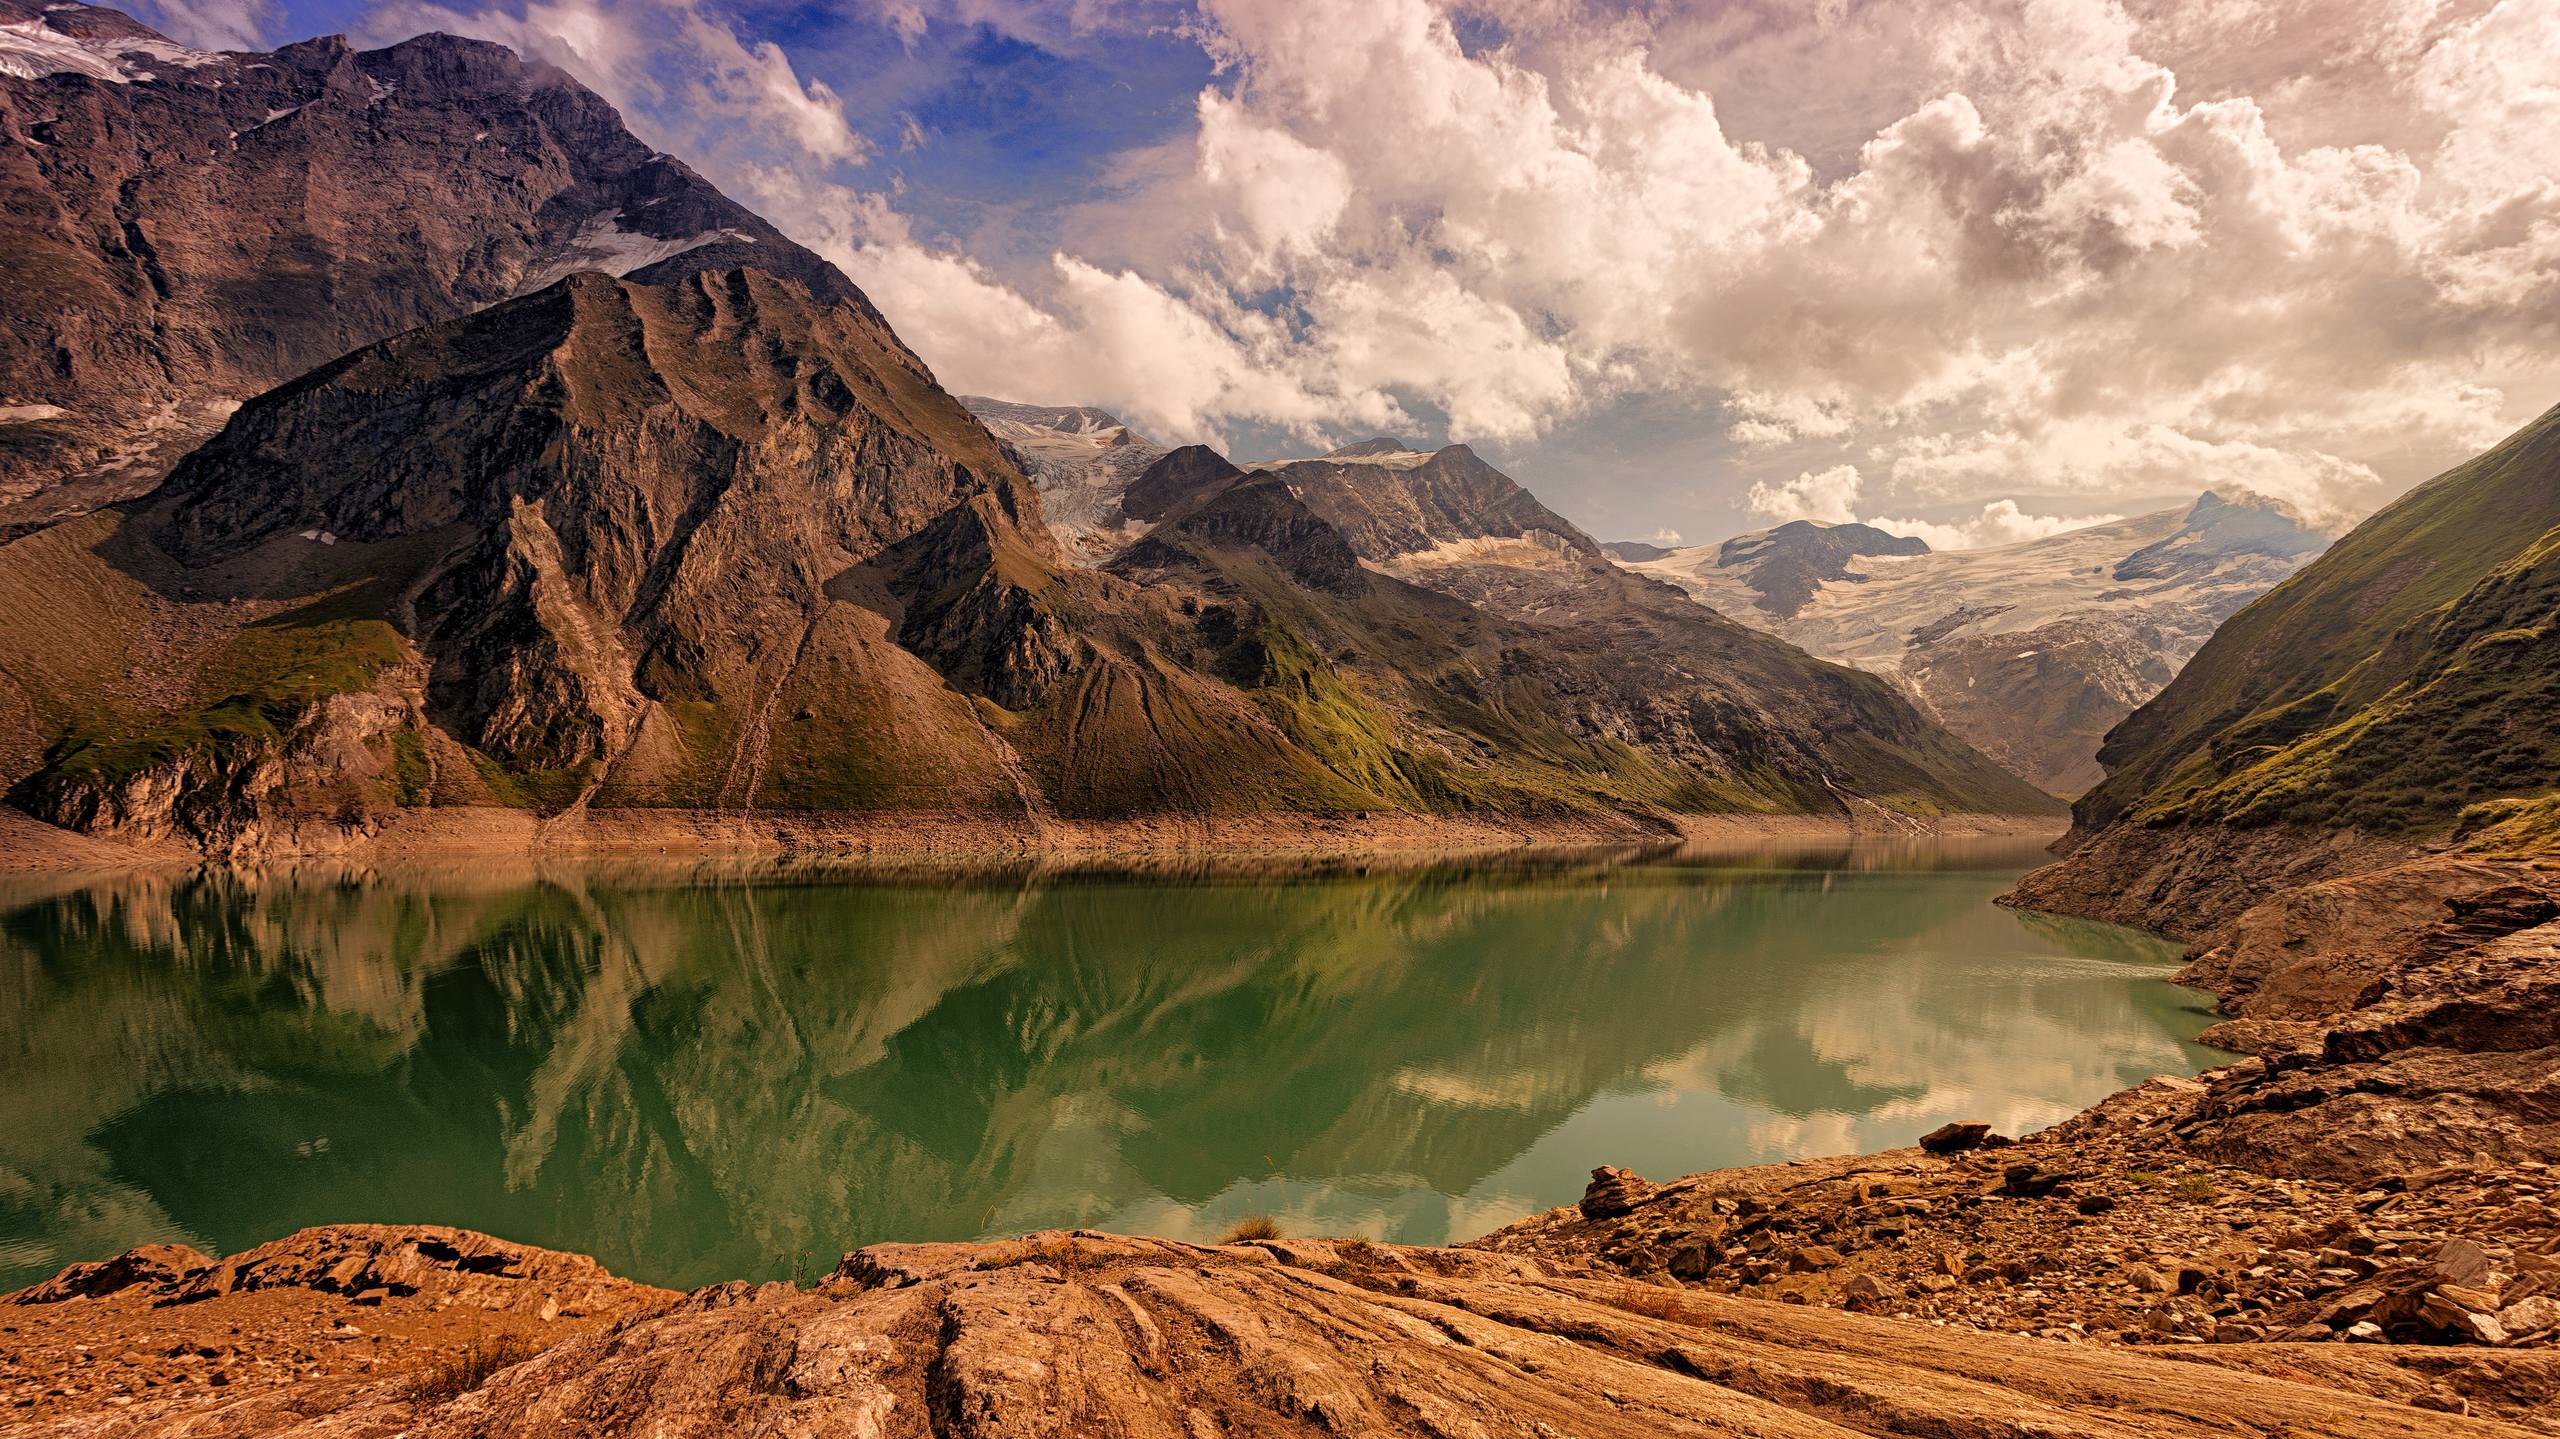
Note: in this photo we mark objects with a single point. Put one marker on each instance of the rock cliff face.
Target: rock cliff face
(578, 544)
(189, 229)
(2031, 651)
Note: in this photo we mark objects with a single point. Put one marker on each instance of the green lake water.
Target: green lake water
(743, 1072)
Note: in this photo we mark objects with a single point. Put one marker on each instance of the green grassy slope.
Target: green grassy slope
(2403, 676)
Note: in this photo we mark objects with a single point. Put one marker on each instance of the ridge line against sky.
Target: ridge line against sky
(1994, 267)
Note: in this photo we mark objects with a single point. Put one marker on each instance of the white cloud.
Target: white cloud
(2308, 246)
(2001, 522)
(1666, 537)
(216, 24)
(680, 74)
(1828, 496)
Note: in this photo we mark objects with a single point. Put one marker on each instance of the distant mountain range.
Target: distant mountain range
(522, 547)
(1080, 459)
(2031, 651)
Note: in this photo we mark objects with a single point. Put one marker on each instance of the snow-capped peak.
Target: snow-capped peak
(32, 49)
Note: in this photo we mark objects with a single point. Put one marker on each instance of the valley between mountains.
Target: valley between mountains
(488, 481)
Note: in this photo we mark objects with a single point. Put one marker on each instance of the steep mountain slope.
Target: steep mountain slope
(576, 545)
(2032, 650)
(1080, 458)
(185, 230)
(1648, 666)
(2400, 689)
(716, 544)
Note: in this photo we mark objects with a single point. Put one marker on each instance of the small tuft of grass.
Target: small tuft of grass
(2195, 1187)
(1067, 1256)
(1253, 1228)
(455, 1372)
(1360, 1253)
(2144, 1178)
(1649, 1301)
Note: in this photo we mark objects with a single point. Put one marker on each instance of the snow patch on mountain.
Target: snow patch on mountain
(602, 244)
(2031, 650)
(33, 49)
(1081, 459)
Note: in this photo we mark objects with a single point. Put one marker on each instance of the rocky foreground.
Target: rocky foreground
(2355, 1230)
(364, 1331)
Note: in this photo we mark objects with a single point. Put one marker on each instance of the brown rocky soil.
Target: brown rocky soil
(2191, 882)
(435, 835)
(2380, 1171)
(1091, 1334)
(165, 1331)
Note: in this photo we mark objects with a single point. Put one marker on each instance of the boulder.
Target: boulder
(1614, 1191)
(2459, 1261)
(1960, 1136)
(152, 1264)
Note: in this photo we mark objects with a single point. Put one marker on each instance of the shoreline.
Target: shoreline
(928, 839)
(2310, 1231)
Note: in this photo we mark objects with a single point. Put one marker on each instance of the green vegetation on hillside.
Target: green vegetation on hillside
(2473, 722)
(2406, 675)
(253, 692)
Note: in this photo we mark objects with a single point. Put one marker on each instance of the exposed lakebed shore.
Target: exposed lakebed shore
(2359, 1216)
(434, 835)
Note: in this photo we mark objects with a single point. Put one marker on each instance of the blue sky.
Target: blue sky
(1975, 269)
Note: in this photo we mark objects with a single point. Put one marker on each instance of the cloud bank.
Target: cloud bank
(1906, 254)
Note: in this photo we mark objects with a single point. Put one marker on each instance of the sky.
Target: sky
(1973, 269)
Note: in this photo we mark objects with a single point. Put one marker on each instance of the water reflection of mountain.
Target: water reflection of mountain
(735, 1074)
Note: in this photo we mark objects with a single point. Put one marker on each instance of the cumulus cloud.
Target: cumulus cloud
(1829, 496)
(1914, 254)
(2001, 522)
(682, 75)
(216, 24)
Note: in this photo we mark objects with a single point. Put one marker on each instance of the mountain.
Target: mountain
(2030, 651)
(718, 544)
(1630, 657)
(1784, 567)
(503, 548)
(1080, 459)
(2398, 692)
(187, 229)
(1635, 551)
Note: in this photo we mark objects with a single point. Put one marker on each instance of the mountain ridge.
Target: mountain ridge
(712, 544)
(195, 233)
(2392, 697)
(2030, 650)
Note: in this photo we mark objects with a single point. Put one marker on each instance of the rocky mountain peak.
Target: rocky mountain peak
(2217, 531)
(1636, 551)
(209, 226)
(1180, 477)
(1087, 422)
(1449, 497)
(1372, 446)
(1785, 565)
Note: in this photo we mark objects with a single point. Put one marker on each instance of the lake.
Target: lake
(741, 1071)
